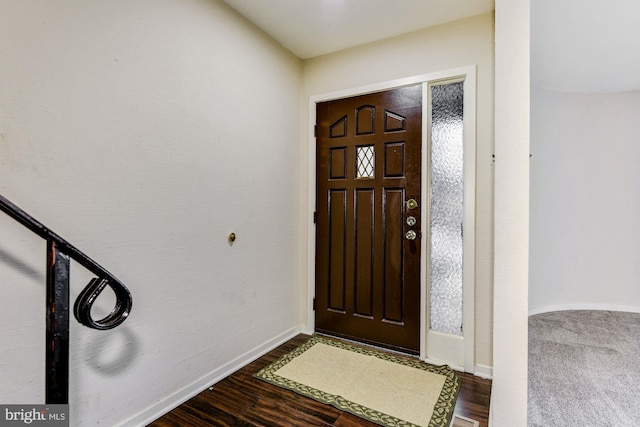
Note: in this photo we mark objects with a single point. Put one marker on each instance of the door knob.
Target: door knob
(411, 235)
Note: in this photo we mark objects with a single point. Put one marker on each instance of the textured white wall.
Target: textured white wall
(585, 233)
(461, 43)
(144, 132)
(509, 387)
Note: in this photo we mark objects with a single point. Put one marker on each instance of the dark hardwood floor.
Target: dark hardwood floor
(241, 400)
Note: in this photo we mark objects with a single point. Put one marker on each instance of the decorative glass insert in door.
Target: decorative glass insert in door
(365, 162)
(446, 208)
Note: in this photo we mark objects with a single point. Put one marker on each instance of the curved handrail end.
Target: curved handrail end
(86, 299)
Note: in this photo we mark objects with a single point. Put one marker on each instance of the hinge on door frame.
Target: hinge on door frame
(314, 304)
(315, 130)
(315, 217)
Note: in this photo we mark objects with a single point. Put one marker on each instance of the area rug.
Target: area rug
(377, 386)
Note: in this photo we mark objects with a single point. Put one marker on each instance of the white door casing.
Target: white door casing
(436, 347)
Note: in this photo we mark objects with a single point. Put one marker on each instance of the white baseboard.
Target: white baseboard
(171, 402)
(602, 307)
(480, 371)
(446, 347)
(483, 371)
(304, 329)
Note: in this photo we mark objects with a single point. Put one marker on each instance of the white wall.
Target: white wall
(585, 182)
(144, 132)
(509, 387)
(462, 43)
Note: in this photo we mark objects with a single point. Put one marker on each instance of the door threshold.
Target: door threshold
(369, 345)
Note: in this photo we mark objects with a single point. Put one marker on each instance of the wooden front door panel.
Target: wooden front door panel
(368, 167)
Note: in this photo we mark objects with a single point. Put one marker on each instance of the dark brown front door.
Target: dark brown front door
(368, 172)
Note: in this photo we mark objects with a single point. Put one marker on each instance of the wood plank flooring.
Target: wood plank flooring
(241, 400)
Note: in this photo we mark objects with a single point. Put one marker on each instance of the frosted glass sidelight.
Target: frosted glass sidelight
(446, 209)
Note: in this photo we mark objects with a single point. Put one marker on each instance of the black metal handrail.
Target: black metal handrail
(59, 251)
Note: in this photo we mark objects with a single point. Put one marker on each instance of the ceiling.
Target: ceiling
(311, 28)
(576, 45)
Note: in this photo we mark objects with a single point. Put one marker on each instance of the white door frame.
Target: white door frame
(462, 345)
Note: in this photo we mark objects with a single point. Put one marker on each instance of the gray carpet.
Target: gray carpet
(584, 369)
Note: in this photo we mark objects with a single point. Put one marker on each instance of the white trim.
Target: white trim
(424, 214)
(446, 348)
(311, 226)
(483, 371)
(436, 362)
(451, 342)
(305, 329)
(376, 87)
(598, 307)
(469, 220)
(165, 405)
(468, 73)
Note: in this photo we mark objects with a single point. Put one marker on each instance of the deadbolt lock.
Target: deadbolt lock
(412, 204)
(411, 235)
(411, 221)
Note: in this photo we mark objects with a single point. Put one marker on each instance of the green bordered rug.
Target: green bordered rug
(377, 386)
